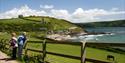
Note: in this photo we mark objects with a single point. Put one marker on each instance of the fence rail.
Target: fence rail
(3, 43)
(105, 44)
(68, 56)
(50, 41)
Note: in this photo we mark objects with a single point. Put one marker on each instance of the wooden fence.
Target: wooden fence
(83, 45)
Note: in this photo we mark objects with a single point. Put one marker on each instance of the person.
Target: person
(21, 43)
(13, 44)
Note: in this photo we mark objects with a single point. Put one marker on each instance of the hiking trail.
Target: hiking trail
(6, 59)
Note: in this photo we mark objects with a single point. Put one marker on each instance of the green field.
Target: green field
(34, 24)
(69, 50)
(75, 51)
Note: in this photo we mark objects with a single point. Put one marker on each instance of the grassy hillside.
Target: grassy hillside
(116, 23)
(34, 23)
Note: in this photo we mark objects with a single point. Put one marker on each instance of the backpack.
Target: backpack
(20, 40)
(13, 42)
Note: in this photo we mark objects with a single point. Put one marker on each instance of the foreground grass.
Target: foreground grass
(75, 51)
(69, 50)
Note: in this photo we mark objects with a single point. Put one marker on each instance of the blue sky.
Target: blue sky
(71, 7)
(63, 4)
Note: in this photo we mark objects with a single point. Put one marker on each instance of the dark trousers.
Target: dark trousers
(14, 51)
(20, 50)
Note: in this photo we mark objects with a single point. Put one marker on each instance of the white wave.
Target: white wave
(89, 37)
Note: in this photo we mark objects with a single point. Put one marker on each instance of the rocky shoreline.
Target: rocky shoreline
(65, 37)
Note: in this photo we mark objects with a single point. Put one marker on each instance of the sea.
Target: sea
(114, 35)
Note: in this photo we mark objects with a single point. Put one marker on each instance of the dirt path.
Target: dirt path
(6, 59)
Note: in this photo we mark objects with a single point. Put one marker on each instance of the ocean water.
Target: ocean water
(117, 35)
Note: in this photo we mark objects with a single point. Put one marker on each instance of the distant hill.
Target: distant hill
(116, 23)
(35, 23)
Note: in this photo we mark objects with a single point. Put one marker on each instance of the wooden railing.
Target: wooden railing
(83, 45)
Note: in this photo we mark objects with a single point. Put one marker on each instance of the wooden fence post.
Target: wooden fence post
(25, 45)
(44, 51)
(83, 52)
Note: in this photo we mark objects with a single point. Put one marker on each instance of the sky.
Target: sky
(71, 10)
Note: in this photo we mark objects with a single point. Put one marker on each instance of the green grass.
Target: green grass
(69, 50)
(29, 23)
(75, 51)
(102, 54)
(14, 20)
(56, 23)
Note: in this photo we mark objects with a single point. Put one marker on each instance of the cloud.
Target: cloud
(24, 10)
(79, 15)
(46, 6)
(60, 13)
(114, 9)
(94, 14)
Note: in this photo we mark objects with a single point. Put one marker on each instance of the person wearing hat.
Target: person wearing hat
(21, 42)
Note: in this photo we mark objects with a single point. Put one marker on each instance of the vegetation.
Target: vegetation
(94, 53)
(117, 23)
(34, 23)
